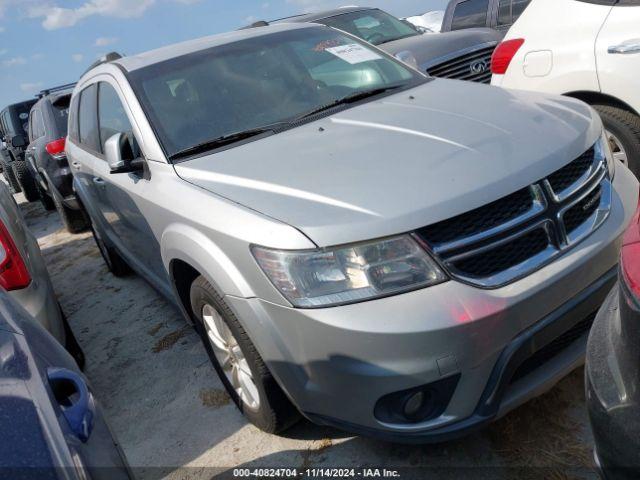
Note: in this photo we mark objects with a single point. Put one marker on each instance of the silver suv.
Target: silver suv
(391, 254)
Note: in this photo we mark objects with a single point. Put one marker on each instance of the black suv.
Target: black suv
(13, 132)
(48, 160)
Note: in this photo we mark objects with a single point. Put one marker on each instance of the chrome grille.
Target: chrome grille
(517, 234)
(474, 66)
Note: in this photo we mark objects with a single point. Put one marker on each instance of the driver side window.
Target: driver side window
(112, 117)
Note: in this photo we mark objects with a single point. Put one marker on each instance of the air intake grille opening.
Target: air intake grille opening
(474, 66)
(578, 214)
(567, 176)
(504, 256)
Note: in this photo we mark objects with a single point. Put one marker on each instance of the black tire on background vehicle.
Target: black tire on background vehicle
(75, 221)
(25, 179)
(115, 263)
(625, 126)
(274, 412)
(7, 172)
(47, 202)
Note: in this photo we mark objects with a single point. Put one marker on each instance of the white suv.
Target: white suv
(586, 49)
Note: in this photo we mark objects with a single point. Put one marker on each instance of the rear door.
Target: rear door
(82, 144)
(618, 53)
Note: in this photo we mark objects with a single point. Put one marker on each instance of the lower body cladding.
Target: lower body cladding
(437, 363)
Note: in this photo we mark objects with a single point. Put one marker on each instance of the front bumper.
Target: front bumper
(336, 363)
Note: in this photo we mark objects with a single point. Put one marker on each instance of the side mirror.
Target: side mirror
(120, 157)
(18, 142)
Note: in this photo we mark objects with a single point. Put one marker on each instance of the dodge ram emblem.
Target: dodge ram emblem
(479, 66)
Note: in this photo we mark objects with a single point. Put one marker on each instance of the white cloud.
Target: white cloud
(55, 17)
(1, 29)
(77, 57)
(3, 51)
(15, 61)
(104, 41)
(37, 56)
(250, 19)
(31, 87)
(58, 17)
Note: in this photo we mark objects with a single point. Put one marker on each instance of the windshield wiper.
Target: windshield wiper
(354, 97)
(228, 139)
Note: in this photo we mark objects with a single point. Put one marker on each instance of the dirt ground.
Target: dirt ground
(174, 420)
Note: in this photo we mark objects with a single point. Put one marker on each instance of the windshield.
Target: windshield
(261, 81)
(374, 26)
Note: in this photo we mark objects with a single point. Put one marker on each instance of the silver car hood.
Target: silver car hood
(402, 162)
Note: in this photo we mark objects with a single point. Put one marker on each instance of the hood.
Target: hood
(402, 162)
(432, 49)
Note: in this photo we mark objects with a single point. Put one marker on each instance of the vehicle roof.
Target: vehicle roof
(151, 57)
(20, 104)
(312, 17)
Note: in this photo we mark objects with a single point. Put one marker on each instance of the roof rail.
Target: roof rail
(109, 57)
(47, 91)
(259, 23)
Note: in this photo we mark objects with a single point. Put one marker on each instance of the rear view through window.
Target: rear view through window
(469, 14)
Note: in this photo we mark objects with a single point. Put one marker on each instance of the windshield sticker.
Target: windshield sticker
(322, 46)
(354, 53)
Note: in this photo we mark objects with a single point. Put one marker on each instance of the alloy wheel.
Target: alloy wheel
(617, 149)
(230, 357)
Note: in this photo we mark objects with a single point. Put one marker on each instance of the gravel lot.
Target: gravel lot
(174, 420)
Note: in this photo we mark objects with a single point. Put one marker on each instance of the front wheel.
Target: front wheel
(238, 363)
(623, 132)
(7, 171)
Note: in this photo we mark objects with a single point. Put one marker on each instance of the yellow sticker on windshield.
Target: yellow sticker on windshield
(354, 53)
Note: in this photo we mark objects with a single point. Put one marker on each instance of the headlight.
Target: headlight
(603, 150)
(325, 277)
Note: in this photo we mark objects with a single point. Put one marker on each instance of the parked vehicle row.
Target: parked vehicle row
(462, 55)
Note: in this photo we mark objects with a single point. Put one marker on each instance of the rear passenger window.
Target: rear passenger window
(518, 7)
(88, 119)
(504, 12)
(469, 14)
(112, 115)
(73, 119)
(38, 125)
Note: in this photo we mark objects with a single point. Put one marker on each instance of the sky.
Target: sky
(45, 43)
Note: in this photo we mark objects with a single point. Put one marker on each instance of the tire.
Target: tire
(274, 412)
(47, 202)
(7, 172)
(75, 221)
(25, 179)
(626, 128)
(115, 263)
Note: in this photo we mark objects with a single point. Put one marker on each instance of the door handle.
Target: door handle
(626, 48)
(76, 165)
(98, 181)
(75, 401)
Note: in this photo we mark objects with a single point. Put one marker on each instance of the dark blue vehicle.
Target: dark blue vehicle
(51, 426)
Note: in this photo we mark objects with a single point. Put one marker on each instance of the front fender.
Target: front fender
(185, 243)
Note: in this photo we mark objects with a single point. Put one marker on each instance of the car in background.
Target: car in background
(24, 275)
(396, 255)
(612, 374)
(585, 49)
(45, 154)
(13, 132)
(497, 14)
(52, 425)
(430, 21)
(457, 55)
